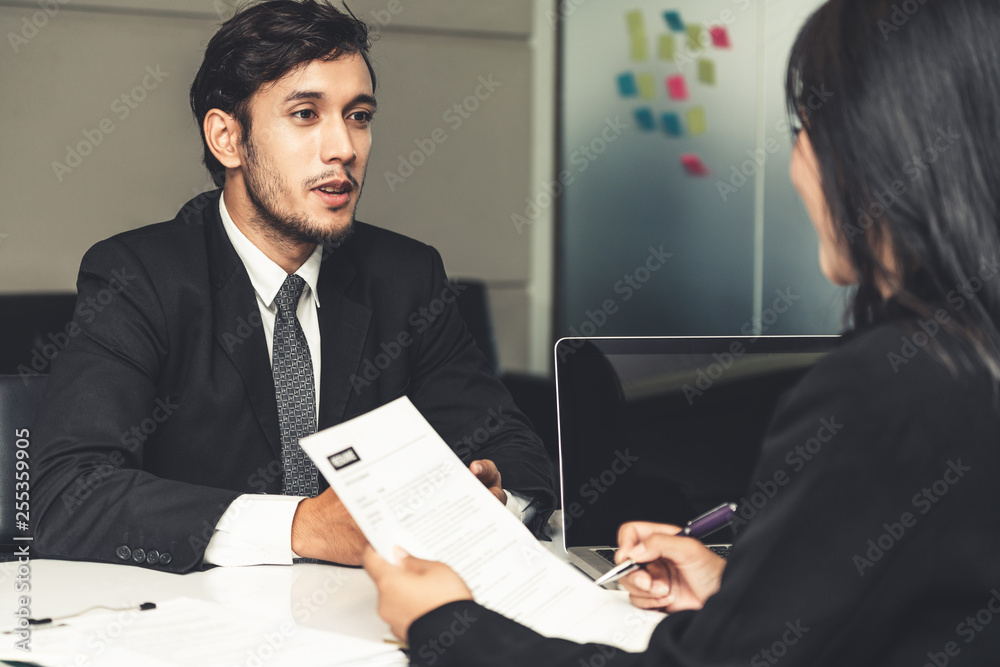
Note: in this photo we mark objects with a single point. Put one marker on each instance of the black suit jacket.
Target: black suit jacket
(876, 545)
(161, 411)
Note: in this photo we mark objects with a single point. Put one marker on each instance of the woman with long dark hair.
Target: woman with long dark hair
(883, 548)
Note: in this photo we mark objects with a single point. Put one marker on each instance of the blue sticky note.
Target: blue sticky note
(644, 117)
(626, 85)
(672, 125)
(675, 21)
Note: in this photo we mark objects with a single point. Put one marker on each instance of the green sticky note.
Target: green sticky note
(667, 47)
(706, 71)
(697, 121)
(696, 36)
(647, 86)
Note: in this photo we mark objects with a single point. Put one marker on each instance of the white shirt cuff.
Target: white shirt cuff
(256, 529)
(517, 504)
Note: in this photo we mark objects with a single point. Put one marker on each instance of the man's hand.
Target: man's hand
(680, 572)
(488, 474)
(323, 528)
(411, 589)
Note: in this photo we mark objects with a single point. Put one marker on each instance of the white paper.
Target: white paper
(192, 633)
(404, 486)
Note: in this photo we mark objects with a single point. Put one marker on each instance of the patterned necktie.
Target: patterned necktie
(291, 366)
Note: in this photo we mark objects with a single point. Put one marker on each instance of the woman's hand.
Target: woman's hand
(411, 589)
(680, 572)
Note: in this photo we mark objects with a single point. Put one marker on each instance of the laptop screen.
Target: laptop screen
(663, 429)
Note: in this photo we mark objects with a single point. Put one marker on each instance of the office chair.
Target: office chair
(534, 395)
(19, 398)
(34, 330)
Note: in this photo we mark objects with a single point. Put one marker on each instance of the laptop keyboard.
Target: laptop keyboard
(609, 554)
(722, 551)
(606, 554)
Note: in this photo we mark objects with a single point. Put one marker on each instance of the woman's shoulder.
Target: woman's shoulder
(896, 360)
(891, 383)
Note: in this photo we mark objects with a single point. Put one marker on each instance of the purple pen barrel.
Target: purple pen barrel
(711, 521)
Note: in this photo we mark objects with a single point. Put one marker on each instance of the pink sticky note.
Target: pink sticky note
(677, 87)
(720, 37)
(694, 165)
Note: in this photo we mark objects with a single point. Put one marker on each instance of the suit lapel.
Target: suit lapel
(343, 326)
(236, 325)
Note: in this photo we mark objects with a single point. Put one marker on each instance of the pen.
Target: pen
(700, 526)
(50, 622)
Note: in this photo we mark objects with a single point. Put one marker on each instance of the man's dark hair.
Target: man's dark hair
(902, 110)
(261, 44)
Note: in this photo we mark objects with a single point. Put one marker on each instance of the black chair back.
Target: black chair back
(36, 328)
(474, 307)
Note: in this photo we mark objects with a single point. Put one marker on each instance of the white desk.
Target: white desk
(325, 597)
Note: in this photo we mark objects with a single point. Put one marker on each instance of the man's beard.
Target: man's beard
(264, 187)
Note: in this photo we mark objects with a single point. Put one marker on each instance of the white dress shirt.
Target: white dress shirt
(256, 529)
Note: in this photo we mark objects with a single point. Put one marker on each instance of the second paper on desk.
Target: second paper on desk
(404, 486)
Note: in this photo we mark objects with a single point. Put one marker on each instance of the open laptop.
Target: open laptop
(664, 429)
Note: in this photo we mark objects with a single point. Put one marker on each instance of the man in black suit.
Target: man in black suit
(263, 311)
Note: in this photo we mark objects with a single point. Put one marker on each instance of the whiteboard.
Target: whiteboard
(673, 133)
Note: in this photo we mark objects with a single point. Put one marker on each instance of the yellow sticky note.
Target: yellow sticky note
(697, 121)
(640, 51)
(647, 86)
(696, 36)
(667, 47)
(636, 23)
(706, 71)
(637, 34)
